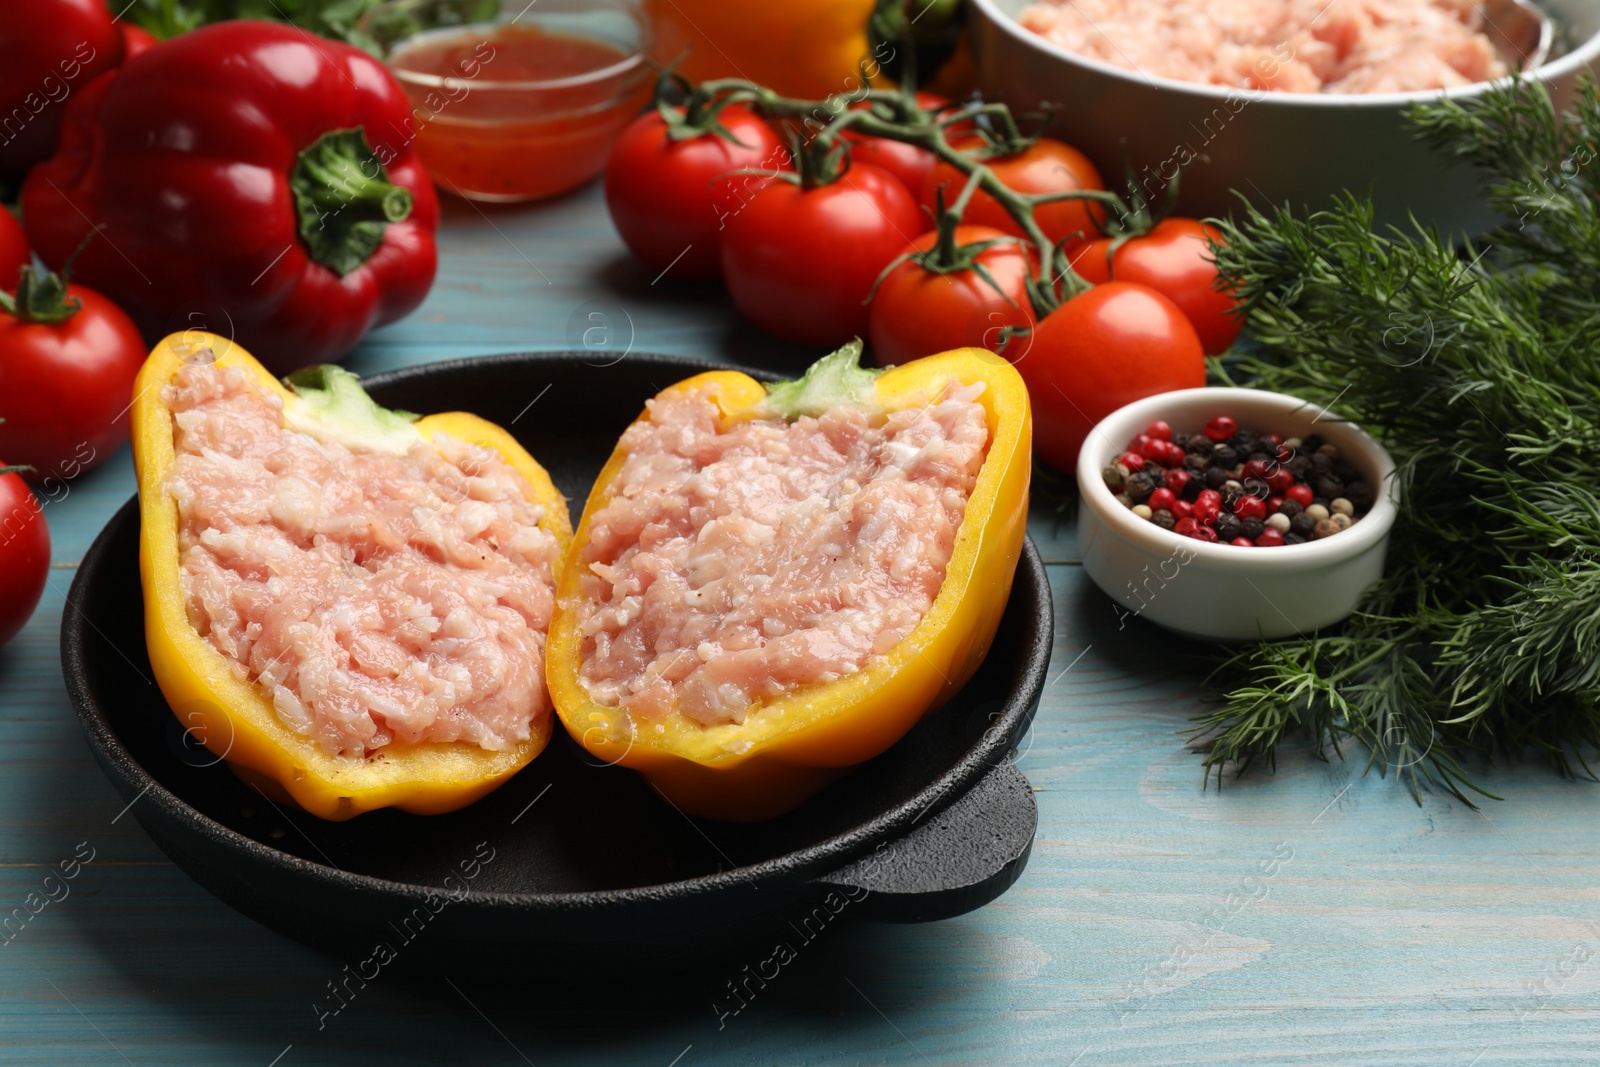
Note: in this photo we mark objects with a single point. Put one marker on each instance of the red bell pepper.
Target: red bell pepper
(49, 49)
(249, 179)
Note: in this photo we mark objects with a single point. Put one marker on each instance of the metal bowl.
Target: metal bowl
(572, 861)
(1271, 147)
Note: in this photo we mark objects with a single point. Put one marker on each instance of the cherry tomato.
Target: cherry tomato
(1046, 166)
(1106, 347)
(65, 387)
(13, 250)
(905, 161)
(1174, 260)
(799, 262)
(24, 554)
(135, 39)
(671, 200)
(917, 312)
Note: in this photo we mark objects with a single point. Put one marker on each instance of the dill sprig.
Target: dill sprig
(1478, 366)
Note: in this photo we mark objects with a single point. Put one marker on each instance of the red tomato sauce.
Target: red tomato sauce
(519, 112)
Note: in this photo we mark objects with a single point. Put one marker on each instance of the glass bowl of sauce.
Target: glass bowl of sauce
(515, 101)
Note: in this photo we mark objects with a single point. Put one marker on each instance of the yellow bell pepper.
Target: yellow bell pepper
(804, 48)
(791, 746)
(232, 716)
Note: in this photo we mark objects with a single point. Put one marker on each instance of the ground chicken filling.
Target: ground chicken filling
(375, 597)
(1297, 46)
(731, 567)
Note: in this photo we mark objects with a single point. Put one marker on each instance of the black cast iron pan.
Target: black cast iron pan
(570, 856)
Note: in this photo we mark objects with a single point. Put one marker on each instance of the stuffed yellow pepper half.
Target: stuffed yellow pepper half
(772, 584)
(346, 603)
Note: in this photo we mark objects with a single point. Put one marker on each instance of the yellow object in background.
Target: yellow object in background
(803, 48)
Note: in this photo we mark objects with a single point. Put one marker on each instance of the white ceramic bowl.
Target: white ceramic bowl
(1272, 147)
(1218, 591)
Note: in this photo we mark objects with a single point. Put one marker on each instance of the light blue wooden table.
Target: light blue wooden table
(1314, 917)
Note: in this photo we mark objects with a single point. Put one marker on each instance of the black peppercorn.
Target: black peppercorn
(1164, 518)
(1263, 458)
(1200, 445)
(1250, 529)
(1244, 440)
(1290, 508)
(1157, 475)
(1192, 489)
(1346, 473)
(1225, 456)
(1231, 495)
(1216, 478)
(1299, 466)
(1321, 464)
(1310, 443)
(1302, 524)
(1328, 486)
(1181, 440)
(1359, 494)
(1138, 487)
(1293, 538)
(1194, 461)
(1227, 526)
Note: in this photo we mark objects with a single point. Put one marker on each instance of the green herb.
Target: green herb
(330, 18)
(1479, 368)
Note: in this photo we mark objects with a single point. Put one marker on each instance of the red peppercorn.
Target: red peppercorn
(1250, 507)
(1205, 533)
(1257, 468)
(1161, 499)
(1182, 509)
(1185, 527)
(1243, 542)
(1280, 479)
(1138, 442)
(1206, 513)
(1133, 461)
(1269, 538)
(1153, 450)
(1221, 428)
(1178, 480)
(1300, 494)
(1273, 504)
(1161, 430)
(1285, 453)
(1209, 498)
(1174, 455)
(1273, 439)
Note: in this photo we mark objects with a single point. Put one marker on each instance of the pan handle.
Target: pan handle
(955, 860)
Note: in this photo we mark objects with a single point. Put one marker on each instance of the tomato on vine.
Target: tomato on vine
(1045, 166)
(970, 290)
(1174, 259)
(1105, 347)
(671, 185)
(905, 161)
(800, 259)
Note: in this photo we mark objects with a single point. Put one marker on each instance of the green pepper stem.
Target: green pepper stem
(344, 200)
